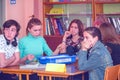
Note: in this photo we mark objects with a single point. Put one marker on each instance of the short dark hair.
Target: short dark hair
(94, 31)
(9, 23)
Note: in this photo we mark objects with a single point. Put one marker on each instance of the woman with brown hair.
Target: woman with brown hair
(111, 39)
(71, 39)
(71, 42)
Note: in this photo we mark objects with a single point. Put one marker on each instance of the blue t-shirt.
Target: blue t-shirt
(33, 45)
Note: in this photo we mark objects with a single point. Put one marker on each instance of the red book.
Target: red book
(55, 26)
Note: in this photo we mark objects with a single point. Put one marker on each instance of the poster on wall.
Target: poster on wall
(12, 1)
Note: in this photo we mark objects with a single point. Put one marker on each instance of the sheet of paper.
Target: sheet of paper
(32, 66)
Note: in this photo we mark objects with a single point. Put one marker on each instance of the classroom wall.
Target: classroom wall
(38, 9)
(21, 11)
(2, 12)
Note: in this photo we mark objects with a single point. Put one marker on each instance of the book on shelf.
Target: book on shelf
(63, 24)
(118, 19)
(60, 28)
(66, 22)
(60, 0)
(55, 26)
(115, 25)
(68, 0)
(47, 27)
(52, 31)
(115, 22)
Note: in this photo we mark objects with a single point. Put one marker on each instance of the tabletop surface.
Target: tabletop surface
(71, 69)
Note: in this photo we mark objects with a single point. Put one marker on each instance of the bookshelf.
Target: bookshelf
(86, 10)
(111, 10)
(71, 9)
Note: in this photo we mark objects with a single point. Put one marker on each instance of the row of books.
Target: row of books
(108, 0)
(67, 0)
(115, 21)
(80, 0)
(56, 26)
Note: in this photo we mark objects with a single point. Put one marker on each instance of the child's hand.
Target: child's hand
(66, 34)
(85, 45)
(30, 57)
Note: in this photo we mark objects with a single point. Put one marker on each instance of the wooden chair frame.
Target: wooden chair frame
(119, 74)
(111, 73)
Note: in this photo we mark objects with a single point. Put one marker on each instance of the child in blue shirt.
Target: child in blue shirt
(33, 45)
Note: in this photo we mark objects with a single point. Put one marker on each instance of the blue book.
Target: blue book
(60, 28)
(61, 0)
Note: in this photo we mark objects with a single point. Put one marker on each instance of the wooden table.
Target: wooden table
(71, 71)
(16, 70)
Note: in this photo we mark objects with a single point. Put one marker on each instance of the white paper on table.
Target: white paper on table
(32, 66)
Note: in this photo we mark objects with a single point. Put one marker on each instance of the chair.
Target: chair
(119, 74)
(53, 41)
(111, 73)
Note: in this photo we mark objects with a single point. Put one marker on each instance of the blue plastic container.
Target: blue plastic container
(62, 59)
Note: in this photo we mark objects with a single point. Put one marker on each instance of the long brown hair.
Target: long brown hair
(79, 24)
(109, 34)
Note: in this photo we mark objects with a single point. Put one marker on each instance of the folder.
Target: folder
(56, 11)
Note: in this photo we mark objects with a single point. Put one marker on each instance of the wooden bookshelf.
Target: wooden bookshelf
(76, 2)
(111, 11)
(95, 8)
(69, 12)
(99, 7)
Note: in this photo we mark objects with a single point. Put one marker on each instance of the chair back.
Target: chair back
(111, 73)
(119, 74)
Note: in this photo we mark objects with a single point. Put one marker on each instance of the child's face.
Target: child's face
(74, 29)
(35, 30)
(89, 40)
(10, 32)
